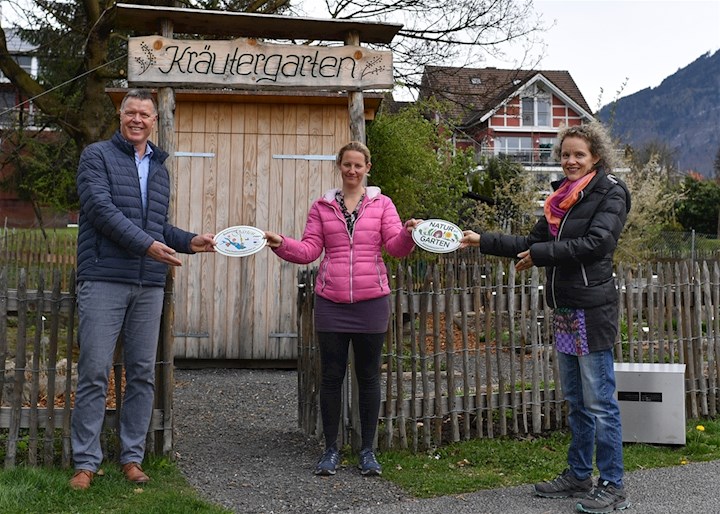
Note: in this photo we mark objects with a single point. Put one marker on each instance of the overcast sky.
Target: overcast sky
(603, 42)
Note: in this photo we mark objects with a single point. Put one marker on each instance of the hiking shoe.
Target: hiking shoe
(604, 497)
(328, 463)
(564, 486)
(368, 464)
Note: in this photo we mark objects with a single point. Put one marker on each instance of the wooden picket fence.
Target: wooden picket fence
(470, 351)
(469, 354)
(37, 254)
(38, 356)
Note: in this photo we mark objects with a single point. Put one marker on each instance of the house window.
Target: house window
(29, 64)
(518, 149)
(536, 107)
(545, 146)
(528, 111)
(543, 112)
(535, 111)
(25, 62)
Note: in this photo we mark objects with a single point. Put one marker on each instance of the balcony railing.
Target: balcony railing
(541, 157)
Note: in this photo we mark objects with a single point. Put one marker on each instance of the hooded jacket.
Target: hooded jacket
(352, 269)
(114, 231)
(579, 260)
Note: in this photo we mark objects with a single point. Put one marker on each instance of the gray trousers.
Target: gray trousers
(107, 309)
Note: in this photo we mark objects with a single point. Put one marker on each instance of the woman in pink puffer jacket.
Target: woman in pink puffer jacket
(351, 225)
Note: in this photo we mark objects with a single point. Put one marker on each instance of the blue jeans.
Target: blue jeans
(588, 384)
(107, 309)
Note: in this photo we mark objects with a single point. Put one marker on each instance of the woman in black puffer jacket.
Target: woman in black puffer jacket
(575, 241)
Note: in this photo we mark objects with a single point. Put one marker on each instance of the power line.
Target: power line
(63, 84)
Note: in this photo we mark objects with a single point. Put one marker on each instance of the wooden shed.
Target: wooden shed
(248, 157)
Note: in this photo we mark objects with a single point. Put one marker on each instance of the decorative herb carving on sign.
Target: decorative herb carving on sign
(147, 61)
(372, 68)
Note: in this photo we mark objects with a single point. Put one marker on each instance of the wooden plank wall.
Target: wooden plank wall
(245, 308)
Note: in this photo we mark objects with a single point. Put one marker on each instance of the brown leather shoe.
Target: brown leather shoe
(134, 473)
(81, 480)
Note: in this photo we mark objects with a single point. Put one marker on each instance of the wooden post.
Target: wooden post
(165, 354)
(356, 102)
(356, 107)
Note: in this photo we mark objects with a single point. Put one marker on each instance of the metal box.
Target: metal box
(652, 402)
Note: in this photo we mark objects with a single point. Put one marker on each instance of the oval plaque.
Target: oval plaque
(437, 236)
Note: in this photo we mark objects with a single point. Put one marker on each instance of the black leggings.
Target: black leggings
(367, 349)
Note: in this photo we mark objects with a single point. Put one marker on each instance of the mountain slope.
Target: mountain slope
(683, 112)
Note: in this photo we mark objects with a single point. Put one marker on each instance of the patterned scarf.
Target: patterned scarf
(567, 195)
(350, 217)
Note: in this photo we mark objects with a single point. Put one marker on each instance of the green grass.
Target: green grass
(503, 462)
(33, 490)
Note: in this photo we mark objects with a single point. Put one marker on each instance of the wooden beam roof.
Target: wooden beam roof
(142, 19)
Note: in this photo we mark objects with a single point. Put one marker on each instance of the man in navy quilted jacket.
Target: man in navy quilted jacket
(125, 245)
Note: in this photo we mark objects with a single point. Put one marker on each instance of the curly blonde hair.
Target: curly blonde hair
(356, 146)
(596, 136)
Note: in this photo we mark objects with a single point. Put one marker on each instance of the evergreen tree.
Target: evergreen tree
(699, 206)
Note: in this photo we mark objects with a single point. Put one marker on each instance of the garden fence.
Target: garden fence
(469, 354)
(38, 357)
(38, 253)
(470, 351)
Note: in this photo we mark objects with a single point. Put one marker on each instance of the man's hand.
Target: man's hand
(163, 253)
(203, 243)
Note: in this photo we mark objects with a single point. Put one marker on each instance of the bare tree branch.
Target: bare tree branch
(464, 33)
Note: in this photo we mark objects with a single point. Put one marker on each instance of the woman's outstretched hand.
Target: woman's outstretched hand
(469, 238)
(411, 224)
(273, 240)
(525, 261)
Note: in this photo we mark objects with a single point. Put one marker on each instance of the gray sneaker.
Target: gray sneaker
(604, 498)
(564, 486)
(328, 463)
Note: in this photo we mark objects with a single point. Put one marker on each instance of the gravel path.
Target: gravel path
(238, 442)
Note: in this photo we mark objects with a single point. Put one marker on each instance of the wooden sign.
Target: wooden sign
(250, 64)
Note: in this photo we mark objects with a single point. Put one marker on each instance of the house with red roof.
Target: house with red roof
(514, 114)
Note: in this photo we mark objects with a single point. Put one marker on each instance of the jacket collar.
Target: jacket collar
(370, 193)
(158, 153)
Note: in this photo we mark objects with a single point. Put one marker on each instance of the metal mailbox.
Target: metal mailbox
(652, 402)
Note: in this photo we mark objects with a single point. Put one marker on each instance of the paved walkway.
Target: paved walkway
(692, 488)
